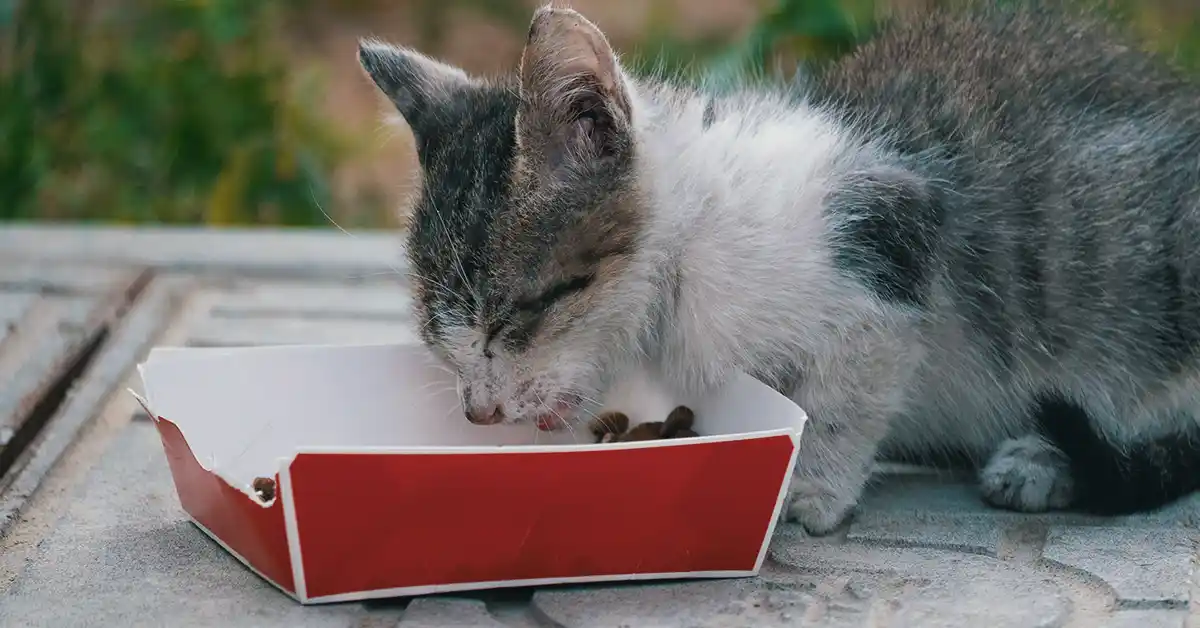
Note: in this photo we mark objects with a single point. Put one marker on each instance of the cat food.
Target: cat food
(607, 426)
(264, 488)
(613, 427)
(679, 423)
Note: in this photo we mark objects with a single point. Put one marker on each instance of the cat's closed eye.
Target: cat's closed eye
(553, 294)
(526, 314)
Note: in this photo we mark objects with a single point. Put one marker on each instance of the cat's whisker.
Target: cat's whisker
(440, 393)
(444, 290)
(456, 255)
(428, 322)
(445, 370)
(444, 387)
(582, 408)
(588, 399)
(567, 424)
(381, 273)
(450, 413)
(411, 274)
(592, 416)
(430, 280)
(564, 421)
(458, 387)
(312, 193)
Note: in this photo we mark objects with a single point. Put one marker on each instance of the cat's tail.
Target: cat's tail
(1122, 478)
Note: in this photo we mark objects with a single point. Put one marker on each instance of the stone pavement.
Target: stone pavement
(93, 534)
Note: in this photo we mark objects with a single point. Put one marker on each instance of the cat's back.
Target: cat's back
(1027, 74)
(1068, 160)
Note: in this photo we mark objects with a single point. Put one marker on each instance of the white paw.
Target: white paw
(1027, 474)
(819, 510)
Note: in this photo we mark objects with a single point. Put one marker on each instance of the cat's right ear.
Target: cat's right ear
(575, 100)
(415, 83)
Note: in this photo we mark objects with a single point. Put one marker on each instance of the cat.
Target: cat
(977, 235)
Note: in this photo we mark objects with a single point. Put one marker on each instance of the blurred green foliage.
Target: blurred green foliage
(186, 111)
(798, 31)
(177, 111)
(805, 31)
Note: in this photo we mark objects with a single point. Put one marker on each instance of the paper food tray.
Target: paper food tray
(383, 488)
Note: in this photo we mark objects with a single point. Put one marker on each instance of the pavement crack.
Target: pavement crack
(1023, 542)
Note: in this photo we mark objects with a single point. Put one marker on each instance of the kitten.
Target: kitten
(978, 235)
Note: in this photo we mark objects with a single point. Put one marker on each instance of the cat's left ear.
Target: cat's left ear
(575, 100)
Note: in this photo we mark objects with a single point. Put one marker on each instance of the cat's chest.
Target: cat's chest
(688, 364)
(696, 363)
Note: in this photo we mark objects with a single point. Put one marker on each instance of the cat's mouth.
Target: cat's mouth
(549, 423)
(557, 414)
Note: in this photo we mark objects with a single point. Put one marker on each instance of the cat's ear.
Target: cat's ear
(575, 100)
(413, 82)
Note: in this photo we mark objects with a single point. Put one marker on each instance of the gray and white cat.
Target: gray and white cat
(977, 237)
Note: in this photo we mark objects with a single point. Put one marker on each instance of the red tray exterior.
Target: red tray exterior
(371, 522)
(254, 532)
(385, 521)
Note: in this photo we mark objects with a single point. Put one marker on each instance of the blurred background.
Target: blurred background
(254, 112)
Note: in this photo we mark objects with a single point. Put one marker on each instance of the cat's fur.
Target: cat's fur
(979, 234)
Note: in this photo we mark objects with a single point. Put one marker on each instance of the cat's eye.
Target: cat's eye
(553, 294)
(526, 314)
(492, 332)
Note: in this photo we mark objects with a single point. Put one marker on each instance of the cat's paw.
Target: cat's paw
(1027, 474)
(817, 508)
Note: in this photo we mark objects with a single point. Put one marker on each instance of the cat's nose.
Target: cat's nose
(488, 415)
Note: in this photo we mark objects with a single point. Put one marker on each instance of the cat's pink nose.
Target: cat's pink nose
(489, 415)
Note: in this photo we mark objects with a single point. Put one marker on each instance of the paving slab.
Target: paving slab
(1146, 567)
(1147, 619)
(238, 332)
(384, 299)
(127, 343)
(124, 554)
(12, 308)
(438, 612)
(922, 549)
(300, 252)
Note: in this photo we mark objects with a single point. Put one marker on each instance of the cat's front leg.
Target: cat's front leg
(850, 395)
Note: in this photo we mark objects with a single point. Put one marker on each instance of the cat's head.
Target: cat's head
(523, 239)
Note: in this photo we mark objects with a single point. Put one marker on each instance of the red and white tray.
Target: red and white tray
(384, 489)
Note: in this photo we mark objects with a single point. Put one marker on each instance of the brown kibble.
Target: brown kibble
(645, 431)
(613, 427)
(608, 426)
(264, 488)
(679, 423)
